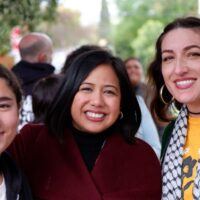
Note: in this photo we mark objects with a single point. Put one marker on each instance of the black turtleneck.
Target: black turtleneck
(90, 145)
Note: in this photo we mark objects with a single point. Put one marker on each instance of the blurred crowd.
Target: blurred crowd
(98, 127)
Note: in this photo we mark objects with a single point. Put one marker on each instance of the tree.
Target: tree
(24, 13)
(104, 25)
(143, 44)
(27, 13)
(67, 31)
(133, 14)
(4, 39)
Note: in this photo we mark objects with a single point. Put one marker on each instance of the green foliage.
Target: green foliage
(104, 25)
(67, 31)
(147, 36)
(24, 13)
(132, 37)
(27, 12)
(4, 38)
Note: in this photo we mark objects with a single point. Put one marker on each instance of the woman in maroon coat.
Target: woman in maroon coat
(87, 150)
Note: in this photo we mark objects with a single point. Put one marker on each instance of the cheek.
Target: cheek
(164, 74)
(129, 72)
(74, 108)
(77, 103)
(13, 120)
(9, 121)
(115, 107)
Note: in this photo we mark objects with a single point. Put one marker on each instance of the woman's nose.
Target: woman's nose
(180, 66)
(97, 99)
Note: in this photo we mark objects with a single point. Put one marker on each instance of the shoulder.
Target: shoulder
(142, 159)
(144, 148)
(143, 106)
(147, 161)
(17, 67)
(139, 150)
(29, 135)
(32, 137)
(166, 137)
(33, 130)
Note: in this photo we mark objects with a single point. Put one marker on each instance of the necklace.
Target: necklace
(194, 113)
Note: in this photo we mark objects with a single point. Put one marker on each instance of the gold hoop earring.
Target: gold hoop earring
(161, 96)
(121, 115)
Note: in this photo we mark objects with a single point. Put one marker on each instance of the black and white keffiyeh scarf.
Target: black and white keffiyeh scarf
(172, 165)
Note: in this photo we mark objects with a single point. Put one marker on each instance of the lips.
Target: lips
(184, 84)
(95, 116)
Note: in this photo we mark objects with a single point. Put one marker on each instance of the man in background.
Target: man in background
(36, 55)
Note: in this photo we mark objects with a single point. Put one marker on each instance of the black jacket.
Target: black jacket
(29, 73)
(166, 139)
(16, 186)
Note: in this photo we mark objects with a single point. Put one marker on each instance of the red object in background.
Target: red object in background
(15, 38)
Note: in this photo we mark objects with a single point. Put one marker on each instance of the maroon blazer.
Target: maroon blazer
(57, 171)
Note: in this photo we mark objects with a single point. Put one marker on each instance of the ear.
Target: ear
(42, 58)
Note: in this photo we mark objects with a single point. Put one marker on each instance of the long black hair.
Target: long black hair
(59, 115)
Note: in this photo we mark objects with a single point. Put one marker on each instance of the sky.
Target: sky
(89, 9)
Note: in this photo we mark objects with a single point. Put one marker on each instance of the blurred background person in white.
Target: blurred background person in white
(147, 131)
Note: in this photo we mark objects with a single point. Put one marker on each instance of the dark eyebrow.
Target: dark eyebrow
(166, 51)
(185, 49)
(191, 46)
(6, 98)
(113, 86)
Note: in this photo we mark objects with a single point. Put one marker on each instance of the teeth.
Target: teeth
(94, 115)
(185, 82)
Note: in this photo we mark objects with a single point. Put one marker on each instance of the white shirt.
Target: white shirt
(3, 190)
(147, 130)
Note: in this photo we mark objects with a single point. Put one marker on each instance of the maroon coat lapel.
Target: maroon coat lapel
(57, 171)
(78, 175)
(118, 171)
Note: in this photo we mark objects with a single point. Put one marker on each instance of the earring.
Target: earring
(121, 115)
(161, 96)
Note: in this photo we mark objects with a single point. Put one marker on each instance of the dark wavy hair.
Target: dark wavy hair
(12, 83)
(59, 115)
(156, 80)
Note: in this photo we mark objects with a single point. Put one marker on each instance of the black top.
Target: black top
(90, 145)
(29, 73)
(16, 185)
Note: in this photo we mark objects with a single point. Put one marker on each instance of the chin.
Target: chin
(184, 99)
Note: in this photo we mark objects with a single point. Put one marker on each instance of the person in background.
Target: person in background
(36, 55)
(86, 149)
(175, 75)
(136, 75)
(12, 182)
(43, 94)
(147, 131)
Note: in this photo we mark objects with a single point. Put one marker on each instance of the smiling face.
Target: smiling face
(96, 106)
(181, 65)
(8, 115)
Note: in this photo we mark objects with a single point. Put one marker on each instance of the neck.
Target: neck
(193, 113)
